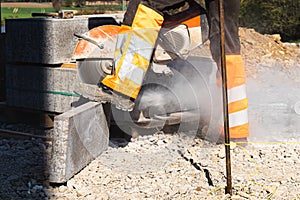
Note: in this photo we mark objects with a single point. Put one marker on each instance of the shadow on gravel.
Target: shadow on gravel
(23, 165)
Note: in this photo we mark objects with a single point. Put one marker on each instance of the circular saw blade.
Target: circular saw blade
(92, 71)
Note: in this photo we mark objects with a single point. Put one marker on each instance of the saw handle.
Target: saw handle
(89, 39)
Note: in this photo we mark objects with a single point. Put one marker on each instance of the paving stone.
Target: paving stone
(80, 135)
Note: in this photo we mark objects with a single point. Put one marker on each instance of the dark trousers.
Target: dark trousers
(231, 13)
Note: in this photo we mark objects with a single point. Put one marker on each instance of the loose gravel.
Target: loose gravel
(158, 166)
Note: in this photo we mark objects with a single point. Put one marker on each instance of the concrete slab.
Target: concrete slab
(41, 88)
(80, 135)
(48, 40)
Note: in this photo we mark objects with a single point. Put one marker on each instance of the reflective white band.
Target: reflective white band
(238, 118)
(237, 93)
(121, 40)
(131, 71)
(136, 45)
(140, 46)
(128, 69)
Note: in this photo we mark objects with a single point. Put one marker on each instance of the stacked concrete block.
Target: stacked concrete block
(35, 50)
(80, 135)
(48, 40)
(39, 87)
(2, 66)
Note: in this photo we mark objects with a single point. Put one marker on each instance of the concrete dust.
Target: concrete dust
(188, 89)
(273, 76)
(273, 98)
(273, 72)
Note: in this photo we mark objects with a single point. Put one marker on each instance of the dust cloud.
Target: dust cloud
(274, 98)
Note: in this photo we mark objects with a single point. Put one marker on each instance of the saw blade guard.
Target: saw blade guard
(105, 36)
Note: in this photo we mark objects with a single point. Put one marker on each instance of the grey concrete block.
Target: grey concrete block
(2, 48)
(2, 66)
(40, 88)
(80, 135)
(47, 40)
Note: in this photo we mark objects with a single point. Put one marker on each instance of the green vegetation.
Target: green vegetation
(8, 13)
(274, 16)
(271, 17)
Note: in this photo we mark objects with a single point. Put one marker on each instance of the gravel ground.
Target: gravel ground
(158, 166)
(23, 164)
